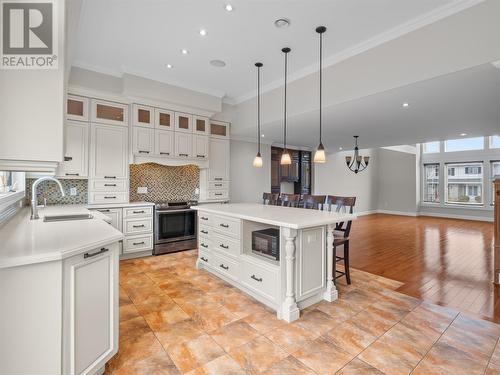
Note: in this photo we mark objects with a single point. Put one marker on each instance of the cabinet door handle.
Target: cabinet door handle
(143, 152)
(110, 197)
(138, 243)
(103, 210)
(204, 231)
(112, 185)
(219, 185)
(200, 156)
(109, 176)
(204, 218)
(138, 226)
(72, 174)
(90, 255)
(68, 158)
(223, 266)
(218, 194)
(224, 225)
(204, 259)
(224, 246)
(204, 245)
(164, 153)
(138, 212)
(218, 178)
(186, 155)
(259, 279)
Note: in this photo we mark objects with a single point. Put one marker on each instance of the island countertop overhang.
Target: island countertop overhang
(288, 217)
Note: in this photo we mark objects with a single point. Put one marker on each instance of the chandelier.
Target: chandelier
(357, 163)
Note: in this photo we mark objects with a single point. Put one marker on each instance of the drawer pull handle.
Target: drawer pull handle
(103, 210)
(259, 279)
(224, 267)
(143, 152)
(138, 212)
(204, 245)
(90, 255)
(138, 243)
(224, 225)
(72, 174)
(218, 194)
(111, 197)
(138, 226)
(112, 185)
(68, 158)
(185, 155)
(218, 178)
(219, 185)
(204, 231)
(164, 153)
(109, 176)
(200, 156)
(204, 259)
(224, 246)
(204, 218)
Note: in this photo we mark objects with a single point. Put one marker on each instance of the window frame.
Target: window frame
(490, 142)
(431, 152)
(445, 145)
(465, 164)
(425, 181)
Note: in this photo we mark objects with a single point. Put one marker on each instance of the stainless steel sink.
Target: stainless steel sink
(67, 217)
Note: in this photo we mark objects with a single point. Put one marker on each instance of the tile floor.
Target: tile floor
(177, 319)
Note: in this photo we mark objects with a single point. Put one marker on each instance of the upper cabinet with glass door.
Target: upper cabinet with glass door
(183, 122)
(77, 108)
(201, 125)
(219, 129)
(111, 113)
(164, 119)
(143, 116)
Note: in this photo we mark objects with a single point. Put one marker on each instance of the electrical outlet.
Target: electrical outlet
(72, 191)
(142, 190)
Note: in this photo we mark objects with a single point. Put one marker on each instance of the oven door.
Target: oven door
(175, 225)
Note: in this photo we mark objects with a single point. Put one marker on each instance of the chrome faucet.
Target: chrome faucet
(34, 198)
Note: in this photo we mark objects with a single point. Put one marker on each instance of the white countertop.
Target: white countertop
(24, 241)
(290, 217)
(119, 205)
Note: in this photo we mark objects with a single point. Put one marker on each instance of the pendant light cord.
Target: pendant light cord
(320, 86)
(284, 117)
(258, 108)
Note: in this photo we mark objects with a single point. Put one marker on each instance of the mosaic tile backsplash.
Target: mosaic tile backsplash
(50, 191)
(164, 182)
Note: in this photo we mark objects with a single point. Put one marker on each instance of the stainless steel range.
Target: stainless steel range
(175, 227)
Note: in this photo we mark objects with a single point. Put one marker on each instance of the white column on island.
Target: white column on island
(290, 310)
(331, 293)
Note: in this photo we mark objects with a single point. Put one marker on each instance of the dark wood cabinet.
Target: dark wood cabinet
(298, 172)
(275, 170)
(305, 173)
(496, 231)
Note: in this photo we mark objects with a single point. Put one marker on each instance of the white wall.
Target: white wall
(247, 182)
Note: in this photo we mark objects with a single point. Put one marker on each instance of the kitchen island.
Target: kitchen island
(303, 274)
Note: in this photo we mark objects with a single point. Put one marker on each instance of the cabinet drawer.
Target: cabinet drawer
(115, 214)
(227, 226)
(225, 266)
(137, 243)
(218, 194)
(136, 226)
(260, 279)
(218, 185)
(204, 243)
(226, 245)
(205, 219)
(137, 212)
(108, 185)
(205, 257)
(204, 231)
(108, 197)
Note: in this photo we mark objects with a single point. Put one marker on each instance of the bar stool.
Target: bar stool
(289, 200)
(314, 202)
(270, 199)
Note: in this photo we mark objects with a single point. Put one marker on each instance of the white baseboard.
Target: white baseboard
(364, 213)
(451, 216)
(401, 213)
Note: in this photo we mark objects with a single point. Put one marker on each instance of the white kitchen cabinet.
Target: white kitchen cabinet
(201, 125)
(164, 142)
(108, 152)
(110, 113)
(143, 141)
(219, 129)
(219, 161)
(143, 116)
(164, 119)
(76, 142)
(183, 144)
(77, 108)
(91, 309)
(183, 122)
(115, 214)
(200, 146)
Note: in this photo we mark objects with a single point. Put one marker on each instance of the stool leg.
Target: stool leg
(334, 271)
(346, 262)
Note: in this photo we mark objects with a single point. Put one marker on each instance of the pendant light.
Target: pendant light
(357, 163)
(257, 162)
(285, 156)
(319, 155)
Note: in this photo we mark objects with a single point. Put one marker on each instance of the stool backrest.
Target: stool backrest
(289, 200)
(336, 203)
(270, 199)
(315, 202)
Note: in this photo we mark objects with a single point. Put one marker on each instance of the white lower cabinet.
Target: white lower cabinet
(115, 214)
(90, 309)
(133, 244)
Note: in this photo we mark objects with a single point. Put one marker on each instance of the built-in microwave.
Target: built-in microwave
(266, 242)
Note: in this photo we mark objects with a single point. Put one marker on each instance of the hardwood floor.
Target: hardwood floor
(445, 261)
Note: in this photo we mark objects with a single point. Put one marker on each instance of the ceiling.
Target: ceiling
(141, 37)
(439, 108)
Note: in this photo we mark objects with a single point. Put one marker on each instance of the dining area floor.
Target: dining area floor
(177, 319)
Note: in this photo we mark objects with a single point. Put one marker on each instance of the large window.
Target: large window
(464, 183)
(495, 141)
(431, 183)
(431, 147)
(464, 144)
(5, 182)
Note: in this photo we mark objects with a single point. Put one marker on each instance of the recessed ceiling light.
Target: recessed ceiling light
(282, 22)
(218, 63)
(406, 104)
(463, 134)
(228, 7)
(170, 66)
(184, 51)
(340, 148)
(262, 135)
(203, 32)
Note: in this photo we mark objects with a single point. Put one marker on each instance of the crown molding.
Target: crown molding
(384, 37)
